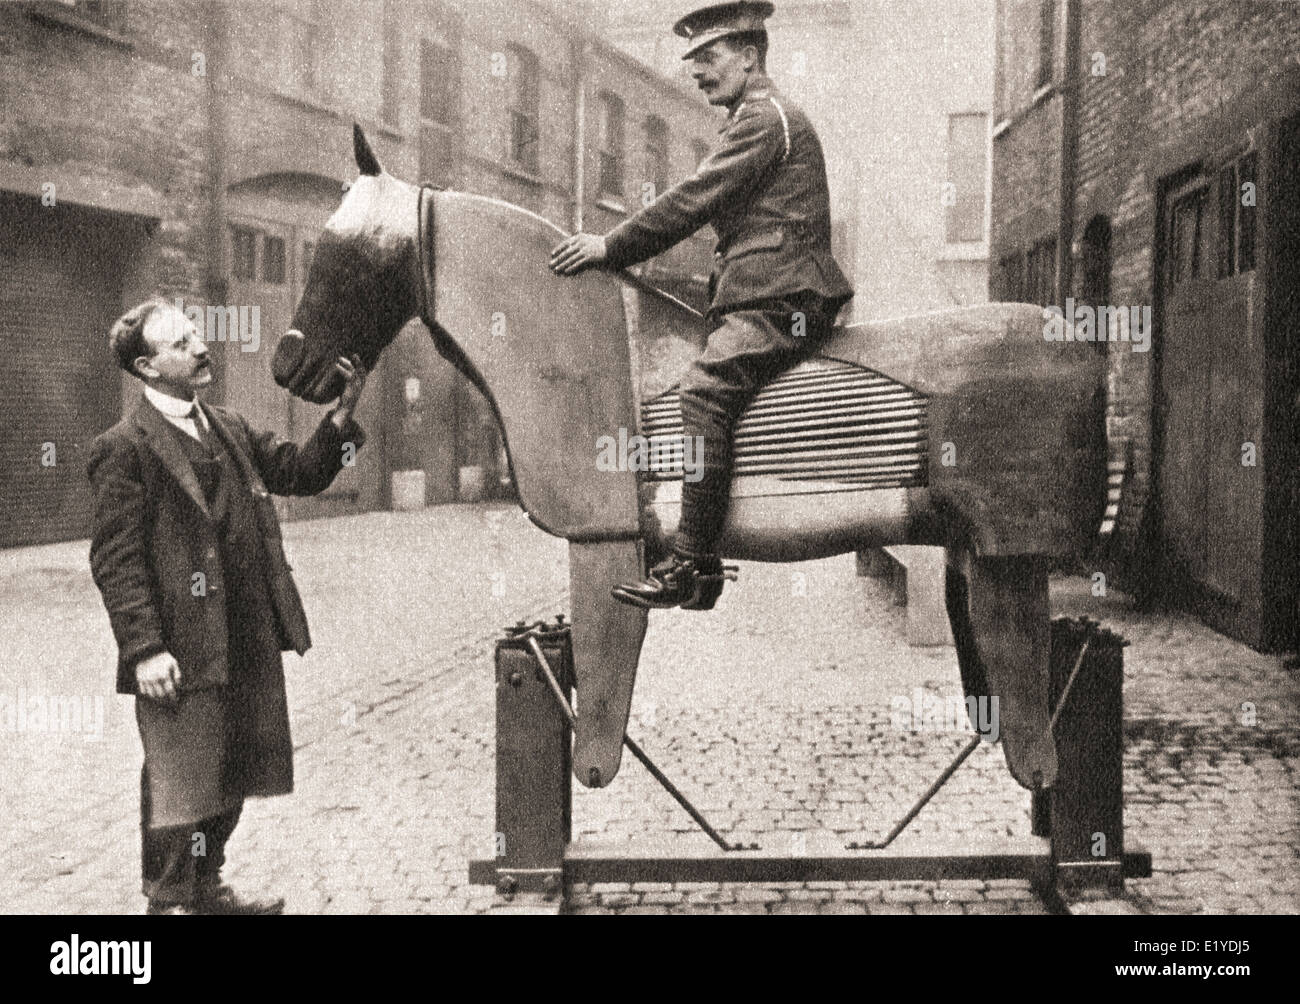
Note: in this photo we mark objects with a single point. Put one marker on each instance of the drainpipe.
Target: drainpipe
(216, 75)
(578, 56)
(1070, 99)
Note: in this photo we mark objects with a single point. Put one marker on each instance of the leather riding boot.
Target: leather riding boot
(219, 898)
(691, 583)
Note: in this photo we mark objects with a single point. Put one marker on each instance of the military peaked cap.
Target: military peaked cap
(708, 24)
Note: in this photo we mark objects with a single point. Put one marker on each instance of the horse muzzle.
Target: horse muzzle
(293, 370)
(288, 359)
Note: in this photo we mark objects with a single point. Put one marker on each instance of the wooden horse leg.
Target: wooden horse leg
(607, 637)
(1001, 626)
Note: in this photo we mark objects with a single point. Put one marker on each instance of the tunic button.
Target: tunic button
(212, 552)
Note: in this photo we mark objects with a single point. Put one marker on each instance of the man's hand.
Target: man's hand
(355, 375)
(158, 677)
(573, 254)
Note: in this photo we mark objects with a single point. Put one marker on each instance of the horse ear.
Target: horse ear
(367, 162)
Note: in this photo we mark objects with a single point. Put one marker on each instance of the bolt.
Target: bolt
(507, 885)
(550, 886)
(516, 679)
(593, 777)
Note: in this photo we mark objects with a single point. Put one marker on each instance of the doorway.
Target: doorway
(1224, 388)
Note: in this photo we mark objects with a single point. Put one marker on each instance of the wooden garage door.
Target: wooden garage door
(1210, 379)
(60, 291)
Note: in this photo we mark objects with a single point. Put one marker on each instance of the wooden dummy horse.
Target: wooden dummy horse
(964, 428)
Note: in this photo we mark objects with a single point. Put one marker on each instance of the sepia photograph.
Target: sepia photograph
(629, 457)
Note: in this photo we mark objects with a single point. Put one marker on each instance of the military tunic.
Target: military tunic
(775, 289)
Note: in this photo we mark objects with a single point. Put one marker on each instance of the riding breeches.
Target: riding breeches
(747, 349)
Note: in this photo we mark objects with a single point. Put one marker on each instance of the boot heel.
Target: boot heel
(708, 588)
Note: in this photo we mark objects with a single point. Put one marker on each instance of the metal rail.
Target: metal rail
(875, 845)
(558, 693)
(966, 751)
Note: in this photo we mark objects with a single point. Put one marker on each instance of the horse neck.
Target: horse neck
(549, 353)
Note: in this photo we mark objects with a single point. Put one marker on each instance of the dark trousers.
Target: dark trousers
(746, 350)
(176, 866)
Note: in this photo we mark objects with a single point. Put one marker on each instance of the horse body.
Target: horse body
(961, 428)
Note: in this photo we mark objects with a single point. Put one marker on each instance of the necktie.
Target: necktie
(201, 427)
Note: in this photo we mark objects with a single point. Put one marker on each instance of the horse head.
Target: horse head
(363, 285)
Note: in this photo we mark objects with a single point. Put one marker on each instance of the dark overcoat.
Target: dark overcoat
(765, 193)
(155, 555)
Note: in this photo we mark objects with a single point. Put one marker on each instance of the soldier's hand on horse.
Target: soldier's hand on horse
(158, 677)
(573, 254)
(354, 373)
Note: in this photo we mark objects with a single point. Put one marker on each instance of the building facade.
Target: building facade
(196, 148)
(1145, 163)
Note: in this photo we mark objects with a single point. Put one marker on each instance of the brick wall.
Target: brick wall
(1152, 73)
(115, 117)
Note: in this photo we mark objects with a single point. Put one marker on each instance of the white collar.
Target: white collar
(169, 405)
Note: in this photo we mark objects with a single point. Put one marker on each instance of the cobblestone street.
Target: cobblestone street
(772, 713)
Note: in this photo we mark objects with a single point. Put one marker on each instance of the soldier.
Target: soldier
(775, 289)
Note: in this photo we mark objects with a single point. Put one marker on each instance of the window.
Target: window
(1009, 278)
(611, 145)
(390, 97)
(243, 244)
(1034, 279)
(524, 130)
(1246, 213)
(439, 112)
(299, 47)
(1228, 199)
(273, 259)
(439, 93)
(656, 154)
(1185, 237)
(1042, 271)
(967, 173)
(1237, 218)
(1046, 41)
(699, 150)
(1096, 270)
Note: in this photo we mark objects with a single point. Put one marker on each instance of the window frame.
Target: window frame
(449, 88)
(299, 28)
(1045, 73)
(280, 259)
(240, 234)
(611, 177)
(524, 107)
(390, 88)
(975, 192)
(1194, 195)
(657, 146)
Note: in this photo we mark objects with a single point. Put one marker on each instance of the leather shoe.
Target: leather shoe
(691, 583)
(170, 910)
(224, 901)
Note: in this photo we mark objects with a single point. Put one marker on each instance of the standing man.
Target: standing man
(186, 553)
(775, 289)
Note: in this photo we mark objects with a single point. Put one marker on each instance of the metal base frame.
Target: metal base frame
(1078, 840)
